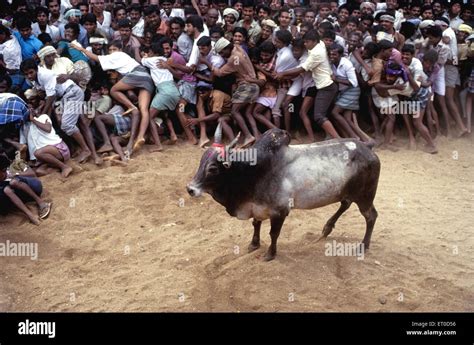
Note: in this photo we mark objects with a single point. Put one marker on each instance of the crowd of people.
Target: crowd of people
(94, 80)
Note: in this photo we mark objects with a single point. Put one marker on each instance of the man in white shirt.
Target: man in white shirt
(42, 16)
(208, 54)
(195, 30)
(348, 99)
(420, 96)
(104, 18)
(449, 37)
(453, 14)
(183, 43)
(70, 109)
(10, 53)
(167, 11)
(284, 61)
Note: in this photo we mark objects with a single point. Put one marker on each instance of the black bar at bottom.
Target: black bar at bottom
(239, 328)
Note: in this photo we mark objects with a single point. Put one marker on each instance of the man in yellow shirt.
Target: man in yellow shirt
(318, 63)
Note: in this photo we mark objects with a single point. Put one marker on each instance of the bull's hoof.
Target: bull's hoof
(252, 247)
(269, 256)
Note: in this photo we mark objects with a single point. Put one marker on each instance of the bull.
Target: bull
(289, 176)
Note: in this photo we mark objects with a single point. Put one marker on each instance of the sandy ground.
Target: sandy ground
(131, 239)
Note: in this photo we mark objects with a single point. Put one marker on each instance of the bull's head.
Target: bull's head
(212, 165)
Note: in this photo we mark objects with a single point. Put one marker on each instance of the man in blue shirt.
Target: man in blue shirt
(30, 45)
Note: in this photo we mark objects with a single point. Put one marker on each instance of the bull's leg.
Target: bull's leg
(345, 204)
(276, 224)
(370, 216)
(255, 244)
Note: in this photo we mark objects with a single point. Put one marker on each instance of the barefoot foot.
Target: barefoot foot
(203, 142)
(105, 148)
(66, 172)
(83, 156)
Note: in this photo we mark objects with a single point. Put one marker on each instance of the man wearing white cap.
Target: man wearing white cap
(239, 64)
(367, 8)
(73, 16)
(449, 37)
(387, 22)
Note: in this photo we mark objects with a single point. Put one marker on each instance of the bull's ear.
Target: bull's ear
(227, 164)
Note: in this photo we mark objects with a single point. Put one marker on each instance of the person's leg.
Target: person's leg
(435, 118)
(173, 136)
(375, 120)
(236, 114)
(411, 136)
(425, 134)
(43, 206)
(19, 147)
(51, 155)
(144, 99)
(441, 104)
(72, 109)
(182, 117)
(305, 108)
(249, 114)
(154, 131)
(44, 169)
(336, 113)
(459, 100)
(276, 110)
(288, 111)
(117, 93)
(201, 110)
(116, 142)
(135, 115)
(390, 117)
(454, 111)
(258, 110)
(322, 103)
(101, 123)
(429, 120)
(469, 107)
(355, 125)
(10, 193)
(87, 133)
(351, 117)
(226, 128)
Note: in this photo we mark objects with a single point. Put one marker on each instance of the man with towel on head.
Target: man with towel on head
(74, 16)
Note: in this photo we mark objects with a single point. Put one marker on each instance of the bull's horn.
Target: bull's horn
(233, 142)
(218, 134)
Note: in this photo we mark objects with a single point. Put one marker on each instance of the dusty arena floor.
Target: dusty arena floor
(131, 239)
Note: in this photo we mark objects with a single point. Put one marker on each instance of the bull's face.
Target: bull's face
(209, 171)
(211, 167)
